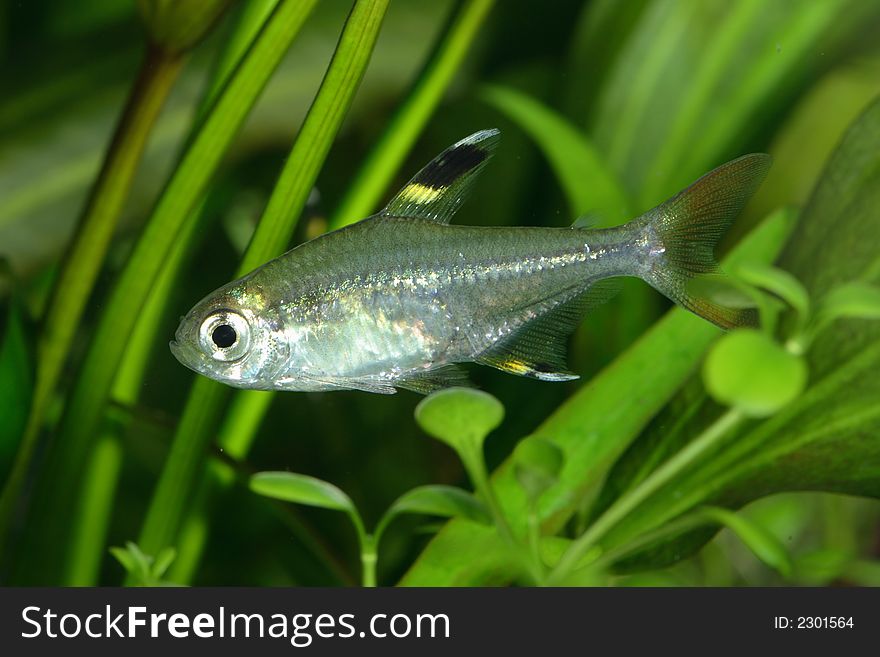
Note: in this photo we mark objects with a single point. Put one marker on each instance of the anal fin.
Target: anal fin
(538, 349)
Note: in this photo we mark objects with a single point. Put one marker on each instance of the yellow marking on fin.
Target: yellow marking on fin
(419, 193)
(515, 366)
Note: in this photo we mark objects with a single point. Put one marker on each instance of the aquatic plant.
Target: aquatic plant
(675, 430)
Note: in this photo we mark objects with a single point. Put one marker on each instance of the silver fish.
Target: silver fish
(401, 298)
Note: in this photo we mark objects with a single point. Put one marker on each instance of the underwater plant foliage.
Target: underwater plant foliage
(142, 167)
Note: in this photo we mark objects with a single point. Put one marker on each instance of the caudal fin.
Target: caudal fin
(686, 228)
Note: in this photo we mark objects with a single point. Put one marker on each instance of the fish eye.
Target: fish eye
(225, 335)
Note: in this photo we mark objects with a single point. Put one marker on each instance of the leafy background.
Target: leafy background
(605, 107)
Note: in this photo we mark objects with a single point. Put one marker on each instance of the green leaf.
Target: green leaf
(250, 20)
(863, 572)
(134, 561)
(85, 255)
(820, 567)
(79, 428)
(163, 561)
(142, 569)
(666, 115)
(438, 500)
(126, 559)
(16, 380)
(603, 29)
(537, 463)
(301, 489)
(589, 185)
(593, 428)
(779, 282)
(764, 545)
(851, 300)
(460, 417)
(748, 371)
(92, 515)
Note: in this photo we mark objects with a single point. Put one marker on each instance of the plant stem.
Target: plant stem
(471, 455)
(369, 557)
(93, 511)
(630, 500)
(674, 527)
(534, 536)
(86, 253)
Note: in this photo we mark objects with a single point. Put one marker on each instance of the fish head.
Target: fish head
(232, 336)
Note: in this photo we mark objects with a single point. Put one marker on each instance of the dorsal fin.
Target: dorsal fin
(538, 349)
(436, 192)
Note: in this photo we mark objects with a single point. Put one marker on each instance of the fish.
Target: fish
(403, 298)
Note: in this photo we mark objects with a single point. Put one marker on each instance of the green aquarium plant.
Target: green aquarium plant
(154, 151)
(442, 501)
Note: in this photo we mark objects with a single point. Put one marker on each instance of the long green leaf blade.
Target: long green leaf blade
(184, 190)
(589, 184)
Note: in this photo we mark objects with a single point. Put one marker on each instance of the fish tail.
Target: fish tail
(683, 232)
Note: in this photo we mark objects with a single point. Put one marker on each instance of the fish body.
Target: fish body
(400, 299)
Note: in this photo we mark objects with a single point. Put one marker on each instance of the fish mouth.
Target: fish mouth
(179, 353)
(185, 355)
(179, 346)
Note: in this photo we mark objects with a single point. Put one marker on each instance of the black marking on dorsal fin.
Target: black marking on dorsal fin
(445, 376)
(538, 349)
(437, 191)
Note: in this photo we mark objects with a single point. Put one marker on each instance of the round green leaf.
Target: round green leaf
(536, 465)
(854, 299)
(459, 416)
(301, 489)
(748, 371)
(445, 501)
